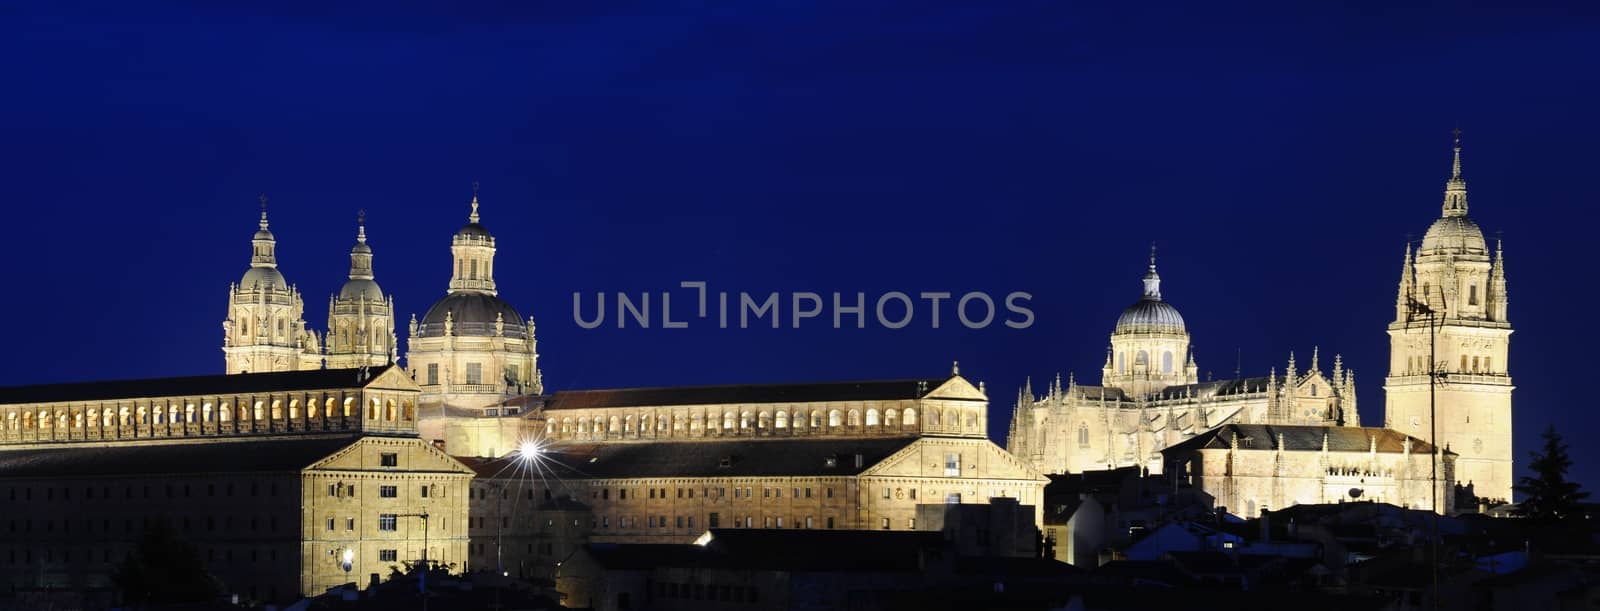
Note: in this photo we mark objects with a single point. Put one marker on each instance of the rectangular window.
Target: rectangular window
(474, 373)
(389, 460)
(913, 494)
(388, 555)
(885, 523)
(424, 492)
(388, 522)
(511, 374)
(780, 522)
(330, 524)
(952, 464)
(433, 373)
(1472, 295)
(349, 523)
(713, 520)
(678, 522)
(885, 492)
(388, 492)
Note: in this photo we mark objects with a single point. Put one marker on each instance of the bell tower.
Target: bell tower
(1449, 377)
(360, 317)
(266, 329)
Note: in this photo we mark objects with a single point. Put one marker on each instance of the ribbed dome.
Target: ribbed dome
(1454, 235)
(263, 276)
(472, 313)
(1150, 316)
(355, 287)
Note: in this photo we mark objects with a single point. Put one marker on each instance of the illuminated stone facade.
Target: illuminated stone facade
(1150, 398)
(265, 329)
(360, 315)
(271, 476)
(1251, 468)
(471, 351)
(1454, 274)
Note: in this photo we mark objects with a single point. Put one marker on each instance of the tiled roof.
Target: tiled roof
(1297, 438)
(879, 390)
(230, 384)
(154, 459)
(736, 458)
(1217, 388)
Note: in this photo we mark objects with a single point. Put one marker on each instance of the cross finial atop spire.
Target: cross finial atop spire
(1152, 256)
(474, 216)
(1455, 168)
(263, 198)
(361, 225)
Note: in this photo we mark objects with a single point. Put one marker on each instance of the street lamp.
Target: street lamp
(347, 560)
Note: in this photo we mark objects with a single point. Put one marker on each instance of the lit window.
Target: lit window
(952, 465)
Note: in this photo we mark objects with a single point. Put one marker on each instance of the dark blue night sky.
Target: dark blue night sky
(1279, 159)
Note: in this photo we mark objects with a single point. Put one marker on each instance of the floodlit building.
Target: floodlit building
(1151, 397)
(272, 477)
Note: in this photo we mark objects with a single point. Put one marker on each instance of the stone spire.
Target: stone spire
(1455, 189)
(1408, 285)
(1152, 280)
(1497, 285)
(1315, 367)
(264, 245)
(361, 254)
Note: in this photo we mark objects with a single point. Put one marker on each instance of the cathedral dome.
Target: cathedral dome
(1454, 235)
(474, 314)
(473, 230)
(355, 288)
(1150, 316)
(268, 277)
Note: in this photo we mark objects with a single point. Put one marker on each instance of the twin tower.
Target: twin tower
(470, 350)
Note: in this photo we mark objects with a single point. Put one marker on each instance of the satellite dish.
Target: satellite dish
(1355, 493)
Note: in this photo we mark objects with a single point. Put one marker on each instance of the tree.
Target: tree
(165, 569)
(1550, 497)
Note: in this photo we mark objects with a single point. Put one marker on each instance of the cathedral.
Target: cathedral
(470, 351)
(1448, 342)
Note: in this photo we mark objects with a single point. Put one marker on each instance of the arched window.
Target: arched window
(172, 413)
(627, 424)
(566, 427)
(77, 419)
(205, 413)
(61, 421)
(854, 418)
(1083, 435)
(599, 425)
(799, 419)
(157, 416)
(816, 419)
(372, 410)
(972, 420)
(764, 421)
(389, 412)
(294, 409)
(872, 417)
(746, 420)
(951, 418)
(697, 423)
(891, 418)
(644, 423)
(1122, 362)
(676, 422)
(782, 420)
(729, 421)
(225, 412)
(933, 417)
(106, 418)
(1166, 362)
(188, 413)
(1142, 358)
(833, 418)
(27, 420)
(260, 412)
(349, 407)
(613, 429)
(11, 421)
(327, 408)
(910, 417)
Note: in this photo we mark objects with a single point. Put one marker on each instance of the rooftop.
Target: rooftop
(709, 458)
(1298, 438)
(872, 390)
(286, 455)
(221, 384)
